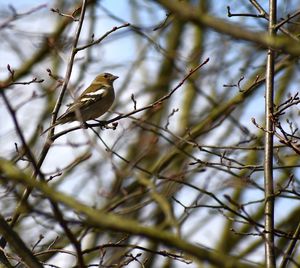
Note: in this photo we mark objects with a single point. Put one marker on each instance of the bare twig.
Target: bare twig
(16, 15)
(97, 41)
(134, 101)
(229, 14)
(278, 25)
(71, 16)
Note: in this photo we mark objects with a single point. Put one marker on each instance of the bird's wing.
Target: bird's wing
(94, 90)
(87, 98)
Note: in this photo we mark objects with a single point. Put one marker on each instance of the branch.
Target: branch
(17, 244)
(186, 12)
(103, 37)
(47, 145)
(16, 15)
(69, 68)
(270, 259)
(107, 221)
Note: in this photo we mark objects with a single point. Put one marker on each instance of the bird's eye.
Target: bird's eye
(106, 76)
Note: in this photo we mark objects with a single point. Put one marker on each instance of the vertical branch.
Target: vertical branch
(48, 143)
(69, 68)
(268, 157)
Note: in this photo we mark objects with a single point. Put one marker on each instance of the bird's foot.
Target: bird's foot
(101, 123)
(84, 125)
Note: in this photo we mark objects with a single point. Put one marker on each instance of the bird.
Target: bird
(93, 102)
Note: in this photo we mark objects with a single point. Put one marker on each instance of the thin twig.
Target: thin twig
(103, 36)
(16, 15)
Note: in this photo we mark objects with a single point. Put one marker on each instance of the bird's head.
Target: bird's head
(105, 79)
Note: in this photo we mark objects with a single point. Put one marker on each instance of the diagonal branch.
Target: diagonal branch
(186, 12)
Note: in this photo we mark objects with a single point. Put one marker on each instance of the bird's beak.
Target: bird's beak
(114, 77)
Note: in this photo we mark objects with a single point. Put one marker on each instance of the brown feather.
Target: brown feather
(93, 107)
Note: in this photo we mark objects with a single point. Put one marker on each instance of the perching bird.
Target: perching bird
(92, 103)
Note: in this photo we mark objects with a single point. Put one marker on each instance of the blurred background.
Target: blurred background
(191, 165)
